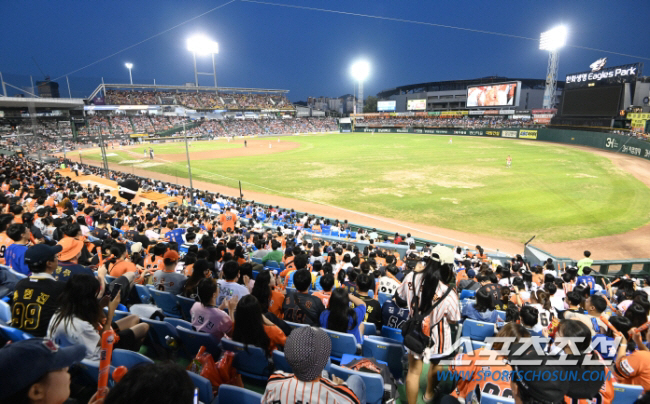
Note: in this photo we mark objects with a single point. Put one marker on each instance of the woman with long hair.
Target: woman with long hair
(80, 319)
(201, 270)
(541, 300)
(340, 317)
(206, 316)
(419, 290)
(270, 300)
(252, 328)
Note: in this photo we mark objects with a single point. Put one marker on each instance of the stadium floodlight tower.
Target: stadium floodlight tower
(203, 46)
(551, 41)
(129, 66)
(360, 71)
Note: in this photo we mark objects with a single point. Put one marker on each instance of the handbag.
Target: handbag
(414, 339)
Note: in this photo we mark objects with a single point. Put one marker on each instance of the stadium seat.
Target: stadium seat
(109, 278)
(492, 399)
(606, 351)
(383, 298)
(193, 340)
(342, 343)
(475, 344)
(250, 362)
(177, 322)
(167, 302)
(255, 273)
(334, 233)
(143, 293)
(280, 362)
(296, 325)
(467, 294)
(232, 394)
(392, 333)
(385, 349)
(8, 333)
(204, 386)
(501, 314)
(123, 357)
(369, 329)
(5, 312)
(185, 304)
(272, 264)
(256, 260)
(374, 382)
(477, 330)
(626, 393)
(163, 335)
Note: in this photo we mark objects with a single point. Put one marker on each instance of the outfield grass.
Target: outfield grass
(554, 191)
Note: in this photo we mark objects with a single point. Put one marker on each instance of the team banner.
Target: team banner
(527, 134)
(509, 133)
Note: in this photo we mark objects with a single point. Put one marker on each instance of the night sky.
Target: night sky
(309, 52)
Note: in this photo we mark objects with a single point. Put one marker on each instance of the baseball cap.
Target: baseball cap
(71, 247)
(23, 363)
(41, 253)
(136, 247)
(171, 255)
(550, 391)
(471, 273)
(307, 350)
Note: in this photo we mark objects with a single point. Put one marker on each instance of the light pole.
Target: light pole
(189, 169)
(129, 66)
(360, 70)
(551, 41)
(203, 46)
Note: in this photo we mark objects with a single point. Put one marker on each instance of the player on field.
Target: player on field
(508, 161)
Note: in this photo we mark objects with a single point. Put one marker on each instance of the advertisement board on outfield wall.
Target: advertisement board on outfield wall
(509, 133)
(417, 105)
(527, 134)
(492, 133)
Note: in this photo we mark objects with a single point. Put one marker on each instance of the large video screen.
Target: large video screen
(416, 105)
(592, 101)
(386, 106)
(494, 95)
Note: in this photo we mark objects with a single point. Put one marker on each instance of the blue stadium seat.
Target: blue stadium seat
(374, 382)
(477, 330)
(467, 294)
(369, 329)
(334, 233)
(392, 333)
(177, 322)
(185, 304)
(167, 302)
(342, 343)
(255, 273)
(13, 334)
(280, 362)
(475, 344)
(250, 362)
(626, 393)
(232, 394)
(204, 386)
(158, 333)
(353, 234)
(385, 349)
(492, 399)
(272, 264)
(193, 340)
(383, 298)
(5, 312)
(501, 314)
(109, 279)
(295, 325)
(123, 357)
(256, 260)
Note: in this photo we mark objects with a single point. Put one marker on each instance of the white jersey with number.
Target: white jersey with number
(544, 317)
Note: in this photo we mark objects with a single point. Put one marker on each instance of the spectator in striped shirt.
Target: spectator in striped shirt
(308, 350)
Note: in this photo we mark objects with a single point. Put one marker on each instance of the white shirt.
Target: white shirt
(152, 235)
(229, 289)
(76, 332)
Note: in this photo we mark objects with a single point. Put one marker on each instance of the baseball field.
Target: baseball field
(558, 192)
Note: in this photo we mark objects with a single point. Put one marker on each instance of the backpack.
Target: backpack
(370, 365)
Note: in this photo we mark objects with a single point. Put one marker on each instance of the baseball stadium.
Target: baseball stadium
(235, 244)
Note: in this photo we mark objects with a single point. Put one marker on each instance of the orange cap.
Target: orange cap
(71, 248)
(172, 255)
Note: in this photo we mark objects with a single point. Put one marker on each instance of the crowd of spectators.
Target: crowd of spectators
(464, 123)
(82, 251)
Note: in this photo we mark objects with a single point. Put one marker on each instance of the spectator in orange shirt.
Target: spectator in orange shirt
(227, 220)
(119, 264)
(5, 241)
(252, 328)
(327, 283)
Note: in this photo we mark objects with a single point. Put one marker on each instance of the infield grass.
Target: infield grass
(556, 192)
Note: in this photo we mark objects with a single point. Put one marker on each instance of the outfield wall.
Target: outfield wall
(606, 141)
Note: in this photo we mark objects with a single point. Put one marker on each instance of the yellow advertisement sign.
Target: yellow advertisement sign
(139, 135)
(454, 113)
(527, 134)
(645, 115)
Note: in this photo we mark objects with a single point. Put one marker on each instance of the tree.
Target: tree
(370, 105)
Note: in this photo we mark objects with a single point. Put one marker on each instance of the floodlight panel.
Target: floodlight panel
(128, 65)
(360, 70)
(202, 45)
(553, 39)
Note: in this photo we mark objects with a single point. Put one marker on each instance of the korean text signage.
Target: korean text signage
(492, 133)
(527, 134)
(616, 74)
(509, 133)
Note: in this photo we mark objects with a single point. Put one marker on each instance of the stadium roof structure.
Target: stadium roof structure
(185, 88)
(455, 85)
(38, 102)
